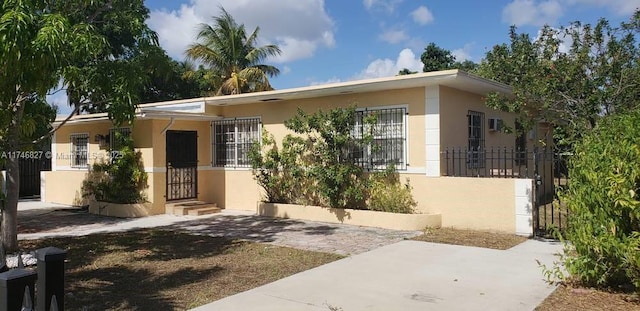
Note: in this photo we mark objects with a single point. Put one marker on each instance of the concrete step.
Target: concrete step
(192, 208)
(204, 211)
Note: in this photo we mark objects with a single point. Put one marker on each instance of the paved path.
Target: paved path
(38, 220)
(410, 275)
(385, 272)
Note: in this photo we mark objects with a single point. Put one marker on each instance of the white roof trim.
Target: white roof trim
(451, 78)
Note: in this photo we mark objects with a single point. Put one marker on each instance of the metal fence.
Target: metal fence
(545, 166)
(20, 287)
(498, 162)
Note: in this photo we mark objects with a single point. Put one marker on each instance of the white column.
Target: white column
(432, 128)
(43, 192)
(524, 206)
(54, 166)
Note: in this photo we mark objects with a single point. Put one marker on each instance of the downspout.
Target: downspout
(164, 130)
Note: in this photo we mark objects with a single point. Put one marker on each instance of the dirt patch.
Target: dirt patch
(567, 298)
(168, 270)
(483, 239)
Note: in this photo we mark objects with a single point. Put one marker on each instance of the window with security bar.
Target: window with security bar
(116, 137)
(475, 121)
(232, 141)
(79, 150)
(388, 138)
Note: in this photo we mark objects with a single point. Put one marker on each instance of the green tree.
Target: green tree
(571, 76)
(83, 43)
(406, 71)
(436, 58)
(467, 65)
(226, 50)
(168, 79)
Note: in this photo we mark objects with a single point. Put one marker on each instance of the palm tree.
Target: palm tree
(226, 50)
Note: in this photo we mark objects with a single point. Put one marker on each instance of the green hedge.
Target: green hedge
(602, 198)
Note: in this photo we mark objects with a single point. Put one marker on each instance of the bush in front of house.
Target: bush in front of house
(388, 194)
(317, 166)
(603, 201)
(121, 180)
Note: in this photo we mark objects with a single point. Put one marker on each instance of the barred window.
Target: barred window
(475, 121)
(232, 140)
(114, 142)
(389, 136)
(79, 150)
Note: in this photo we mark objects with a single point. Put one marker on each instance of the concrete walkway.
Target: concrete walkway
(386, 272)
(43, 220)
(411, 275)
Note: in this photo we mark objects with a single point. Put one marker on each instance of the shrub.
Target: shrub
(602, 199)
(121, 180)
(317, 166)
(279, 172)
(388, 194)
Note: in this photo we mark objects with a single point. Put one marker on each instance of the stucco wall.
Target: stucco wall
(273, 114)
(233, 189)
(454, 107)
(64, 187)
(471, 203)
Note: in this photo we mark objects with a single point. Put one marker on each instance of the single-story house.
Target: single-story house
(197, 148)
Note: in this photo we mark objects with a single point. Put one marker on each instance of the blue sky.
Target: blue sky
(340, 40)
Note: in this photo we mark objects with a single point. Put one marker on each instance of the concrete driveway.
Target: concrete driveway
(411, 275)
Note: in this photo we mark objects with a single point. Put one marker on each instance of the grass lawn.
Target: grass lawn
(167, 270)
(471, 238)
(564, 298)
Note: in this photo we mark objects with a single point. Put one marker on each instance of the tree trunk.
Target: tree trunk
(10, 213)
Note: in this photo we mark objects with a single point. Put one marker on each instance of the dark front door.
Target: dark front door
(182, 165)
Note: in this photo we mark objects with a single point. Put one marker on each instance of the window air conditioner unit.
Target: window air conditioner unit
(495, 124)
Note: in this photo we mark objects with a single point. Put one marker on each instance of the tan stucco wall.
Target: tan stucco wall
(233, 189)
(454, 107)
(64, 184)
(469, 203)
(274, 114)
(394, 221)
(160, 140)
(63, 141)
(64, 187)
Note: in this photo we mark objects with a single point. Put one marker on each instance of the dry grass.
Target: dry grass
(168, 270)
(483, 239)
(567, 298)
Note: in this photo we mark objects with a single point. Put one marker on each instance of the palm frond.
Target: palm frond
(224, 48)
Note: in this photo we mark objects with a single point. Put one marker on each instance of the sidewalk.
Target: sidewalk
(43, 220)
(411, 275)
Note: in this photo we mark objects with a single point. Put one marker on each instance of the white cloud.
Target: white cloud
(422, 15)
(530, 12)
(620, 7)
(463, 53)
(388, 67)
(176, 29)
(286, 70)
(393, 36)
(299, 27)
(386, 5)
(538, 13)
(328, 81)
